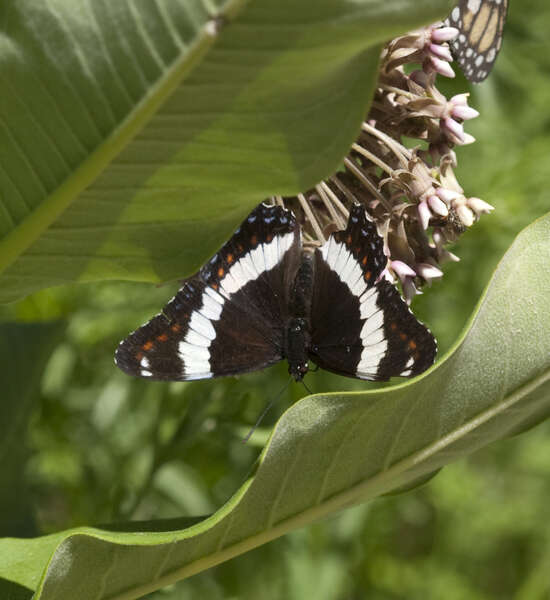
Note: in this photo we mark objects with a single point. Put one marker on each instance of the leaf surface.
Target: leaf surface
(328, 452)
(134, 136)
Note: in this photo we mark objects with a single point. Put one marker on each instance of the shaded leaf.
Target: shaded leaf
(134, 138)
(24, 352)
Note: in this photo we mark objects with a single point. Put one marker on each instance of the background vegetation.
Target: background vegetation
(102, 447)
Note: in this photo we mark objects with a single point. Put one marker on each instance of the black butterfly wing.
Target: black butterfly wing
(481, 25)
(360, 326)
(228, 318)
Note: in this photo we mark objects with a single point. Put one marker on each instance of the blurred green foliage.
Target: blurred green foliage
(104, 447)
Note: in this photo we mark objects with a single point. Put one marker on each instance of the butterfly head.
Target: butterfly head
(298, 370)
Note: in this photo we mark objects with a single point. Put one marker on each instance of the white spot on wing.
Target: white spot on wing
(202, 325)
(230, 284)
(347, 273)
(248, 267)
(270, 254)
(359, 286)
(373, 338)
(211, 309)
(196, 369)
(145, 367)
(342, 261)
(196, 339)
(258, 259)
(198, 375)
(371, 356)
(331, 252)
(214, 295)
(189, 351)
(368, 303)
(408, 368)
(372, 323)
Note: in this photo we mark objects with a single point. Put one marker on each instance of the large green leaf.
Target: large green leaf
(133, 137)
(331, 451)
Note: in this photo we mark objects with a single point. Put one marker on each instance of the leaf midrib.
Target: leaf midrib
(367, 488)
(32, 226)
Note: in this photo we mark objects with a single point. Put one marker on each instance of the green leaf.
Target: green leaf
(24, 352)
(328, 452)
(134, 137)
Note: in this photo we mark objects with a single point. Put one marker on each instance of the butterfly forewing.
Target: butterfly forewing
(480, 24)
(360, 326)
(229, 318)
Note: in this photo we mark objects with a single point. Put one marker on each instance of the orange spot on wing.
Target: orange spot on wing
(148, 345)
(254, 240)
(348, 239)
(139, 356)
(221, 272)
(175, 327)
(269, 237)
(393, 326)
(403, 336)
(412, 344)
(162, 337)
(364, 261)
(229, 258)
(214, 286)
(368, 275)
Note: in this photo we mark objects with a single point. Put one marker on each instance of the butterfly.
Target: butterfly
(263, 298)
(481, 24)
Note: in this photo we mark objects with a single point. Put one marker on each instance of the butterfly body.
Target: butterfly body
(263, 298)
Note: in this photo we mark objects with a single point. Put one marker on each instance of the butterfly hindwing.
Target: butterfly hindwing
(228, 318)
(360, 326)
(480, 24)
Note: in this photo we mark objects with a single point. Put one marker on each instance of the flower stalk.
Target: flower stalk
(410, 190)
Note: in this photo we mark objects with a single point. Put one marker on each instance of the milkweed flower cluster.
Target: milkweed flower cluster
(410, 191)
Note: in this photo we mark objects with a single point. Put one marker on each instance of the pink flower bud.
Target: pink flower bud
(454, 128)
(442, 52)
(465, 215)
(409, 290)
(427, 271)
(479, 206)
(444, 34)
(402, 270)
(438, 206)
(464, 112)
(424, 214)
(460, 99)
(441, 66)
(445, 255)
(447, 195)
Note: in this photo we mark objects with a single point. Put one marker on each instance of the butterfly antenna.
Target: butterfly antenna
(308, 390)
(265, 411)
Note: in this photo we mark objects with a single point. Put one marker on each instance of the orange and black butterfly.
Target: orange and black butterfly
(480, 23)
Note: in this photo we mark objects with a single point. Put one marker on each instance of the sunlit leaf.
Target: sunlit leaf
(331, 451)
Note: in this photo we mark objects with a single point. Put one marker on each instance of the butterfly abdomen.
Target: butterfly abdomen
(296, 344)
(298, 335)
